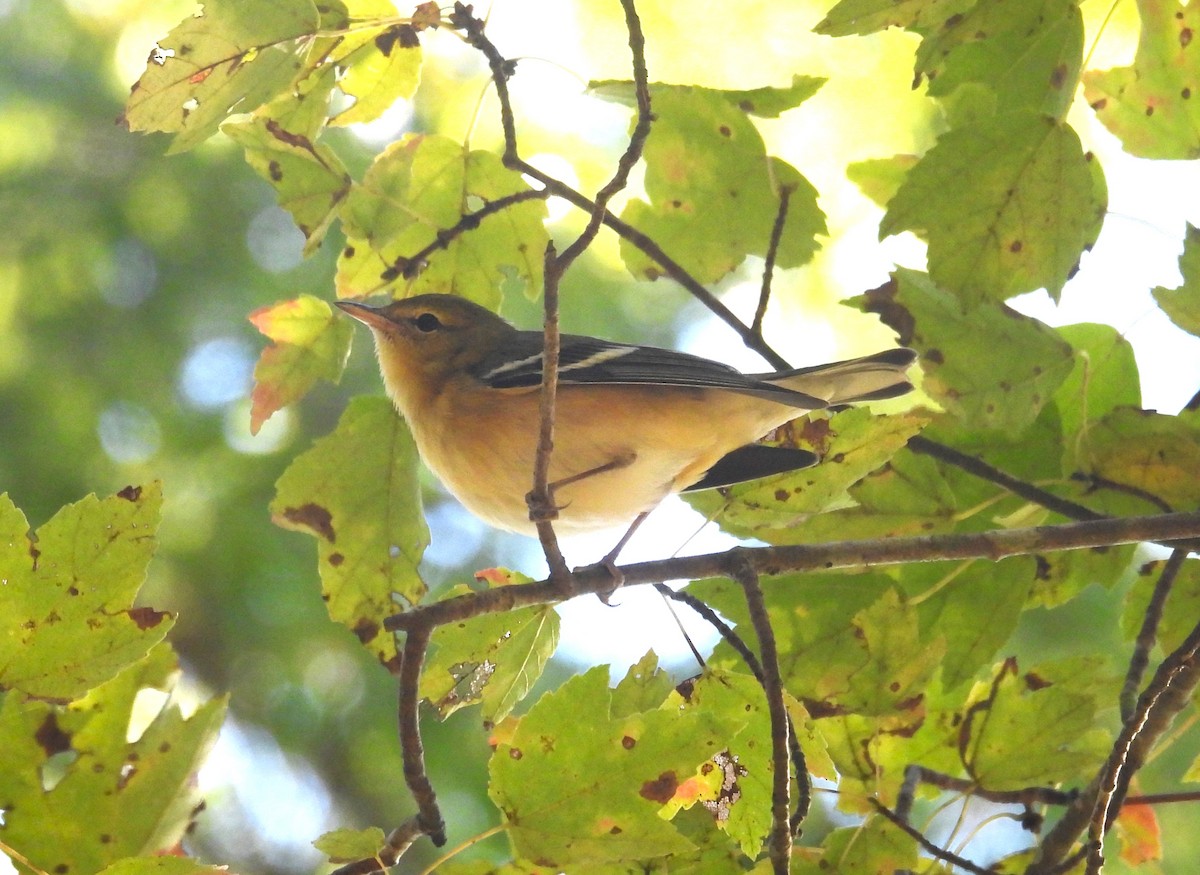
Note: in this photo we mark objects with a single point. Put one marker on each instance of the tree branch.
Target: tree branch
(764, 295)
(772, 684)
(1148, 633)
(815, 557)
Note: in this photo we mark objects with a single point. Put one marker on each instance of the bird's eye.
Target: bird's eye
(427, 322)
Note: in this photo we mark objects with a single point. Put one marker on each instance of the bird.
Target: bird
(633, 424)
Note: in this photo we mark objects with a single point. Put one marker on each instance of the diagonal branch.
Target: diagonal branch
(781, 833)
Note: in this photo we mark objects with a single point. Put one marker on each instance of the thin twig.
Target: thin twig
(637, 140)
(916, 835)
(730, 636)
(1027, 796)
(541, 498)
(781, 833)
(764, 295)
(1148, 634)
(411, 266)
(1021, 488)
(997, 544)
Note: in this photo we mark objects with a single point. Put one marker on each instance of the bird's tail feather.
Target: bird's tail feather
(870, 378)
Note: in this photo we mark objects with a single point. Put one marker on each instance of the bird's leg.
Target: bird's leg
(540, 510)
(609, 562)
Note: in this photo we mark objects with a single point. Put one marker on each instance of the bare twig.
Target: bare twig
(412, 265)
(541, 499)
(731, 637)
(995, 545)
(781, 833)
(1148, 634)
(428, 819)
(916, 835)
(1027, 796)
(760, 312)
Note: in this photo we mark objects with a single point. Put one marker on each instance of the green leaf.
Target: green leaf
(579, 792)
(1040, 726)
(873, 846)
(1149, 104)
(67, 595)
(974, 606)
(766, 102)
(356, 492)
(115, 798)
(1027, 55)
(492, 659)
(417, 189)
(311, 343)
(1180, 610)
(1183, 304)
(851, 444)
(644, 687)
(991, 367)
(867, 16)
(1035, 202)
(384, 65)
(705, 161)
(880, 178)
(1147, 454)
(232, 57)
(1104, 378)
(166, 865)
(310, 181)
(348, 845)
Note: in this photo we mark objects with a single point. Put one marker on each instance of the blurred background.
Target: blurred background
(125, 355)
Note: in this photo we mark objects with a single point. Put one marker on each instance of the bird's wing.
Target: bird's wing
(589, 360)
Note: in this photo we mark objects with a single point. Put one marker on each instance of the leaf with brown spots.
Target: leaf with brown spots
(1152, 105)
(358, 486)
(706, 162)
(577, 796)
(995, 369)
(1030, 182)
(232, 57)
(69, 610)
(853, 443)
(113, 798)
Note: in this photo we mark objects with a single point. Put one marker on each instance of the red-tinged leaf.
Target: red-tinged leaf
(310, 343)
(1141, 838)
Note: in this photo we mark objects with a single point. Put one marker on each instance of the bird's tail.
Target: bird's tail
(870, 378)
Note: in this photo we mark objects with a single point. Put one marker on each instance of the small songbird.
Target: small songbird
(632, 425)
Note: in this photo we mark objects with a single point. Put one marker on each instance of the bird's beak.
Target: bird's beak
(370, 316)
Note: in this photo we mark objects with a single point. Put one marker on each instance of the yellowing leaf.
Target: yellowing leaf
(310, 181)
(348, 845)
(383, 69)
(67, 596)
(1183, 304)
(1149, 105)
(1035, 203)
(417, 191)
(492, 659)
(705, 162)
(1148, 453)
(867, 16)
(311, 343)
(231, 57)
(851, 444)
(579, 786)
(356, 492)
(116, 798)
